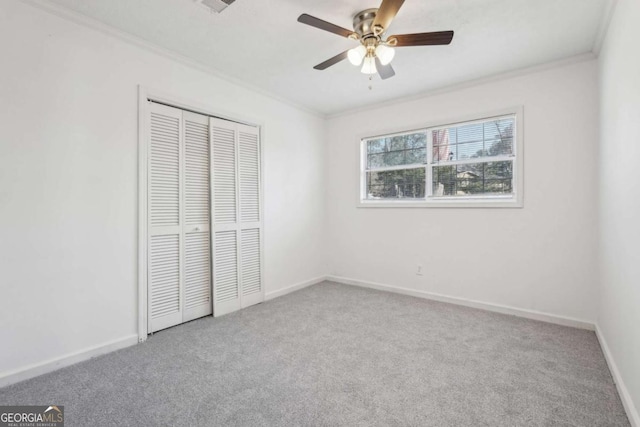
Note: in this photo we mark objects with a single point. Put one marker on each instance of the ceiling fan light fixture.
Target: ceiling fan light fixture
(369, 66)
(370, 28)
(385, 54)
(356, 55)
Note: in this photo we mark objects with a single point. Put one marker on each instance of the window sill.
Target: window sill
(461, 202)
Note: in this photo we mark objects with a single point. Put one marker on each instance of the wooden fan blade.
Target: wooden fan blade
(422, 39)
(329, 62)
(387, 11)
(385, 71)
(324, 25)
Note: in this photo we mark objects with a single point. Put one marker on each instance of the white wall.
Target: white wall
(619, 315)
(541, 257)
(68, 182)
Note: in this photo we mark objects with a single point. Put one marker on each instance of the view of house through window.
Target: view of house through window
(465, 160)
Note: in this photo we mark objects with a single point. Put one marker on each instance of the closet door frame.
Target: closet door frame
(204, 107)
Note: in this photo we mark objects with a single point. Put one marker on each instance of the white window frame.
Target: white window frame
(515, 200)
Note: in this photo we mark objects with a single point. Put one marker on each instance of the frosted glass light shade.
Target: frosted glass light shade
(385, 54)
(369, 66)
(356, 55)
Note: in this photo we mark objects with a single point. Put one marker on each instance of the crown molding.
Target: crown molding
(94, 24)
(584, 57)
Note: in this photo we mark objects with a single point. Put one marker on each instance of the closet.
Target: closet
(204, 218)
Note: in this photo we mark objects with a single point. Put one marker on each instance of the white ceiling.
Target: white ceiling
(261, 43)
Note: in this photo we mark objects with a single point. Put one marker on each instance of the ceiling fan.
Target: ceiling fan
(375, 52)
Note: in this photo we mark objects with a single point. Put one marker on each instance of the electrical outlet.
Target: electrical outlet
(419, 270)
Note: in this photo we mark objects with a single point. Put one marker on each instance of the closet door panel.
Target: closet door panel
(223, 136)
(197, 243)
(164, 281)
(226, 280)
(225, 267)
(196, 169)
(164, 194)
(164, 167)
(237, 216)
(251, 273)
(250, 215)
(197, 276)
(249, 173)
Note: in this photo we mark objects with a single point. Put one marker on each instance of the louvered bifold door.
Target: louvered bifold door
(197, 243)
(164, 249)
(236, 214)
(224, 201)
(250, 216)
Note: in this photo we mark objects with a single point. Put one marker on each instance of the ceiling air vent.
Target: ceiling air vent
(216, 5)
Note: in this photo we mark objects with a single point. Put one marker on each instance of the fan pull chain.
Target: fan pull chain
(370, 81)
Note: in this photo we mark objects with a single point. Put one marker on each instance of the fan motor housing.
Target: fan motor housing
(216, 6)
(363, 22)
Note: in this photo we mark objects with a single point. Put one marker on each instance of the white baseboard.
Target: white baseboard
(627, 402)
(280, 292)
(528, 314)
(36, 369)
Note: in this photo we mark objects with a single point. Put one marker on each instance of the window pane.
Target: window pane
(397, 184)
(474, 178)
(441, 144)
(469, 150)
(498, 135)
(375, 146)
(397, 150)
(476, 140)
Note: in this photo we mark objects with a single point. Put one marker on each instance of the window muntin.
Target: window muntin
(471, 160)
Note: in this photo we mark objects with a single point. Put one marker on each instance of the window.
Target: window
(395, 166)
(473, 163)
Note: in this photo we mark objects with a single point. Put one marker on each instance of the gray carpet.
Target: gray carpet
(333, 355)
